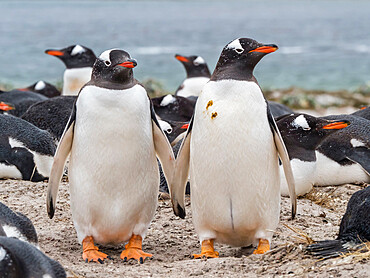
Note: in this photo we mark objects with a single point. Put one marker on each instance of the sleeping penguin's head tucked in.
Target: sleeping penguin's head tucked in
(113, 70)
(239, 57)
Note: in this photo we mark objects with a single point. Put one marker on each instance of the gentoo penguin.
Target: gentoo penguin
(174, 130)
(231, 147)
(354, 229)
(26, 152)
(278, 109)
(43, 88)
(197, 75)
(51, 114)
(79, 61)
(21, 259)
(302, 134)
(174, 108)
(17, 225)
(363, 113)
(20, 100)
(344, 154)
(6, 106)
(113, 170)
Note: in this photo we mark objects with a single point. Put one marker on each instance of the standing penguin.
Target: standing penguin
(79, 61)
(113, 171)
(197, 75)
(231, 147)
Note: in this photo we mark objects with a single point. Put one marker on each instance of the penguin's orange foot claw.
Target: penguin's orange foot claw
(136, 254)
(263, 246)
(207, 250)
(94, 256)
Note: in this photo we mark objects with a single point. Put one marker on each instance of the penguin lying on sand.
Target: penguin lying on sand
(302, 134)
(231, 147)
(197, 75)
(102, 137)
(17, 225)
(26, 152)
(354, 229)
(79, 61)
(51, 114)
(21, 259)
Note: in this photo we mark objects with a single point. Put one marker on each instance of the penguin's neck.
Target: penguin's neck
(236, 71)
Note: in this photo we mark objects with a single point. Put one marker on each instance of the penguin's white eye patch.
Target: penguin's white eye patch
(107, 63)
(301, 122)
(239, 50)
(235, 45)
(77, 50)
(199, 60)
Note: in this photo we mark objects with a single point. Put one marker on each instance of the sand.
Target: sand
(172, 240)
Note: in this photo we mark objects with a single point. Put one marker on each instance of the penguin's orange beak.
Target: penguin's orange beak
(131, 63)
(54, 52)
(336, 125)
(181, 58)
(265, 49)
(6, 107)
(185, 126)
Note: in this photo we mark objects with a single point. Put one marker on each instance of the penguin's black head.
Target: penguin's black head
(239, 57)
(113, 66)
(74, 56)
(44, 88)
(307, 131)
(195, 66)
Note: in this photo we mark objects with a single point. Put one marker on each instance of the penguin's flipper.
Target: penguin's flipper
(283, 154)
(162, 147)
(57, 168)
(180, 176)
(361, 156)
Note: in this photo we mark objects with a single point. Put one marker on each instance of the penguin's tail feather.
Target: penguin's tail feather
(332, 248)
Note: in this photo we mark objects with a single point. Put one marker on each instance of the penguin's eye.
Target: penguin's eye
(239, 50)
(196, 63)
(107, 63)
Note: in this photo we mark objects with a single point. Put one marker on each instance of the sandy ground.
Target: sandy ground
(172, 240)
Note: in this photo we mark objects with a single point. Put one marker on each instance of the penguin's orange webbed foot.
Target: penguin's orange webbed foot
(208, 250)
(134, 250)
(90, 251)
(263, 246)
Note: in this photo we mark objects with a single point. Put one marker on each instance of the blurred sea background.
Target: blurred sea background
(323, 45)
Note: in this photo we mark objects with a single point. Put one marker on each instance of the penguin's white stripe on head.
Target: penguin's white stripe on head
(2, 254)
(77, 50)
(199, 60)
(40, 85)
(167, 100)
(165, 126)
(301, 121)
(105, 56)
(235, 44)
(357, 143)
(15, 143)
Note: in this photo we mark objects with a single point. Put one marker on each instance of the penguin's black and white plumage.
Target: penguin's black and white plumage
(363, 113)
(79, 61)
(231, 147)
(21, 259)
(51, 114)
(278, 109)
(344, 156)
(17, 225)
(353, 232)
(26, 152)
(197, 75)
(174, 131)
(302, 134)
(174, 108)
(113, 137)
(20, 100)
(43, 88)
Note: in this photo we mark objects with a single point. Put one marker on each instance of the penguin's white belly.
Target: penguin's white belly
(329, 172)
(113, 169)
(304, 177)
(235, 183)
(74, 80)
(192, 86)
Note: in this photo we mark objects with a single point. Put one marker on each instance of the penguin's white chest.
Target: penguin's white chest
(113, 168)
(192, 86)
(233, 165)
(74, 80)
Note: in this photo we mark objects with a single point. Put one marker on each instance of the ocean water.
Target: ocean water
(322, 44)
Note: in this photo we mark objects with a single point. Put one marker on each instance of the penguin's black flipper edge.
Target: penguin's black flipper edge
(180, 176)
(361, 156)
(162, 147)
(283, 154)
(60, 158)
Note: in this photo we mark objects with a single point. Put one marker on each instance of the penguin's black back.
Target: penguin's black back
(278, 109)
(363, 113)
(18, 221)
(46, 89)
(51, 115)
(21, 100)
(21, 259)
